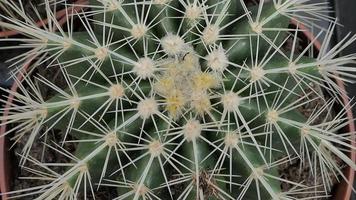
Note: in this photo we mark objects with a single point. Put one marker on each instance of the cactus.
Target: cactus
(169, 99)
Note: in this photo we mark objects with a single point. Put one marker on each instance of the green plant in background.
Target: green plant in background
(180, 99)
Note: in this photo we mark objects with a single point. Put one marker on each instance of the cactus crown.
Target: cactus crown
(188, 99)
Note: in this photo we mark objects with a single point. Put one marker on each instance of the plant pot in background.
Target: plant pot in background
(6, 172)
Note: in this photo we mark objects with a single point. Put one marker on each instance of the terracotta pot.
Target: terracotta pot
(5, 164)
(343, 191)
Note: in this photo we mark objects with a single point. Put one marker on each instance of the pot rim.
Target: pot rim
(344, 188)
(5, 164)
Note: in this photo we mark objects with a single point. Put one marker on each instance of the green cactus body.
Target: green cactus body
(169, 99)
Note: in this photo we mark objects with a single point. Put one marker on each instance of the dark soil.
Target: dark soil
(43, 153)
(296, 171)
(39, 150)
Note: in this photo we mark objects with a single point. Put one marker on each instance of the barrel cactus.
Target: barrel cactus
(180, 99)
